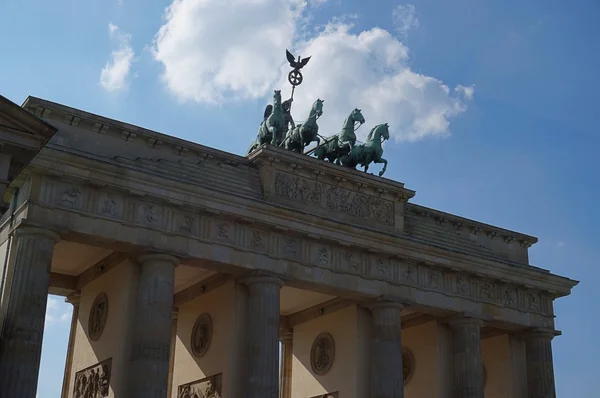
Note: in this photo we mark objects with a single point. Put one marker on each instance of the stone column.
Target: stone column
(468, 365)
(149, 371)
(388, 381)
(21, 339)
(540, 367)
(287, 356)
(263, 337)
(74, 299)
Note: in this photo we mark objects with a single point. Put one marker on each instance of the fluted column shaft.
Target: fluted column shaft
(263, 337)
(287, 356)
(468, 366)
(149, 375)
(540, 366)
(21, 340)
(74, 299)
(388, 381)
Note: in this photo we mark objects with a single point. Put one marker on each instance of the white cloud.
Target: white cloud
(466, 91)
(115, 73)
(405, 18)
(370, 71)
(57, 312)
(560, 244)
(207, 61)
(217, 50)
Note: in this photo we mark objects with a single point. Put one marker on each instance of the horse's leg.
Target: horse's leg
(273, 131)
(385, 163)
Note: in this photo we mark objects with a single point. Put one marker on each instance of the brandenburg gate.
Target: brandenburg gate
(199, 273)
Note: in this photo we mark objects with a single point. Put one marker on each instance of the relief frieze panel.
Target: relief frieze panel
(351, 261)
(290, 247)
(321, 255)
(279, 242)
(334, 199)
(149, 214)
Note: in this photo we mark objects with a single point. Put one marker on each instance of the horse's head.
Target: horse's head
(277, 97)
(318, 107)
(357, 116)
(385, 131)
(381, 132)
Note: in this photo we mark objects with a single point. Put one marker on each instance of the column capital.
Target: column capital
(464, 321)
(384, 305)
(539, 333)
(152, 257)
(255, 278)
(73, 298)
(286, 335)
(26, 231)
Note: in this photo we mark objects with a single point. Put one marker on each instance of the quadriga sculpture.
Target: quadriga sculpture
(342, 143)
(304, 133)
(369, 152)
(272, 128)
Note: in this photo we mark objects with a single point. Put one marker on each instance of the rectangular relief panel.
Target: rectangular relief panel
(94, 381)
(209, 387)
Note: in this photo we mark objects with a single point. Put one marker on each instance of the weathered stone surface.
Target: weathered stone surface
(540, 366)
(149, 371)
(388, 380)
(263, 337)
(21, 340)
(468, 365)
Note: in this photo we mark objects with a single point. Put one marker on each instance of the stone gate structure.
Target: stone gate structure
(187, 267)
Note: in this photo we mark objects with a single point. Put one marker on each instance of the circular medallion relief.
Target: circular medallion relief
(322, 354)
(408, 364)
(98, 315)
(201, 335)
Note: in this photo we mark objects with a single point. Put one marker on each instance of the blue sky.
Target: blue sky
(492, 106)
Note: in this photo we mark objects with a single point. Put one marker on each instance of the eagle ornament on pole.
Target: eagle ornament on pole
(295, 76)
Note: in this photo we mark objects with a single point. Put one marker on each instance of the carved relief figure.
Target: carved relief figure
(534, 302)
(333, 198)
(209, 387)
(409, 274)
(323, 256)
(223, 230)
(257, 240)
(462, 285)
(93, 382)
(322, 354)
(289, 246)
(353, 263)
(110, 208)
(435, 279)
(150, 213)
(509, 297)
(187, 223)
(98, 316)
(486, 291)
(201, 335)
(70, 196)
